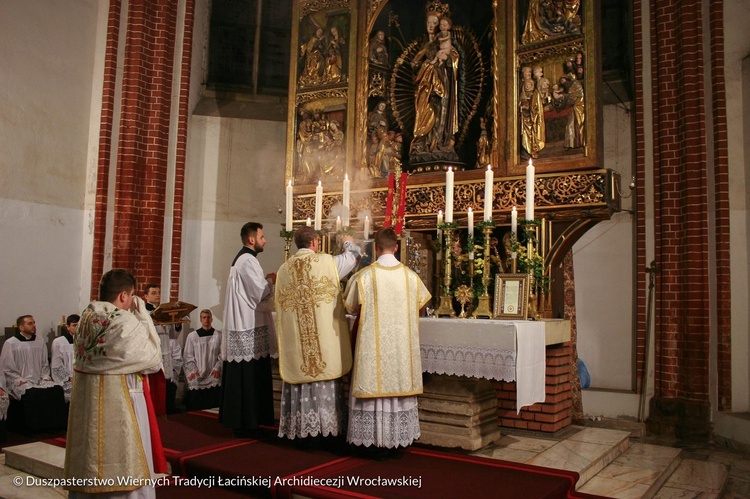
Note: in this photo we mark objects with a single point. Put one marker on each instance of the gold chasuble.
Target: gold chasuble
(311, 320)
(387, 359)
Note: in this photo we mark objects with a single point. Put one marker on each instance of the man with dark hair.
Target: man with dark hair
(387, 372)
(115, 344)
(164, 384)
(203, 365)
(249, 339)
(314, 346)
(61, 363)
(36, 402)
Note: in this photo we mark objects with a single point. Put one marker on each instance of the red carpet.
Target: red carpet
(199, 448)
(271, 467)
(428, 473)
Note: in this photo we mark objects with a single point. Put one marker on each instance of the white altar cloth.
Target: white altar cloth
(491, 349)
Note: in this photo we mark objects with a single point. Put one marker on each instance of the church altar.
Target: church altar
(483, 375)
(488, 349)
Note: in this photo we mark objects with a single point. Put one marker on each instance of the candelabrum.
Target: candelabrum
(287, 235)
(531, 253)
(446, 303)
(483, 307)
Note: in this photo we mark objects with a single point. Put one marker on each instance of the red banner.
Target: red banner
(401, 204)
(389, 201)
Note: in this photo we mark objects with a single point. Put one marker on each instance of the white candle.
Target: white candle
(289, 207)
(530, 191)
(347, 196)
(514, 227)
(471, 229)
(367, 228)
(449, 195)
(338, 224)
(319, 205)
(440, 217)
(309, 222)
(489, 177)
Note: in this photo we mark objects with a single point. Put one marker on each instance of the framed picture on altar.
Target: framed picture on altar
(511, 296)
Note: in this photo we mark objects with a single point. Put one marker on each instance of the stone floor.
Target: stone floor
(614, 459)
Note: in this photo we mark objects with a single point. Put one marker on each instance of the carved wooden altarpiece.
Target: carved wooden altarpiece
(379, 87)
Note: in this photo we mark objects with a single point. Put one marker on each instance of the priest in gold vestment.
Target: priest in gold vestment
(387, 371)
(109, 435)
(313, 334)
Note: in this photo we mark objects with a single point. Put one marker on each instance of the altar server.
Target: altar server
(249, 339)
(36, 402)
(387, 372)
(202, 368)
(61, 363)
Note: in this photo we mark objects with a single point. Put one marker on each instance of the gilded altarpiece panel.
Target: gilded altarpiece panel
(380, 87)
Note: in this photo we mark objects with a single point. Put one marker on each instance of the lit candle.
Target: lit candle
(338, 224)
(319, 205)
(309, 222)
(367, 228)
(471, 229)
(347, 196)
(449, 195)
(440, 217)
(489, 177)
(289, 207)
(530, 191)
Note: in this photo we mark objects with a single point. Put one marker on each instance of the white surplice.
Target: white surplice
(25, 366)
(61, 365)
(202, 357)
(248, 319)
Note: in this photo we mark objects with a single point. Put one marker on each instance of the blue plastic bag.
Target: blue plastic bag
(583, 374)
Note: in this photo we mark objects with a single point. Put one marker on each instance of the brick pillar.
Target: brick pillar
(105, 144)
(143, 138)
(181, 153)
(681, 213)
(721, 206)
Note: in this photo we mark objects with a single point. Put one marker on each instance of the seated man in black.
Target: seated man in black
(36, 402)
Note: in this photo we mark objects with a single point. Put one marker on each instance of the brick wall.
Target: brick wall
(557, 410)
(143, 133)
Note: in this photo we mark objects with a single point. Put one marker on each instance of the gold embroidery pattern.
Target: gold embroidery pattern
(301, 295)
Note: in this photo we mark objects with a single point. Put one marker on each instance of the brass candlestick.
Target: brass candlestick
(446, 303)
(324, 242)
(531, 242)
(287, 235)
(483, 307)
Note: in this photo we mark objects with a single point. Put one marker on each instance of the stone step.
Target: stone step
(37, 458)
(639, 472)
(587, 452)
(694, 478)
(15, 484)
